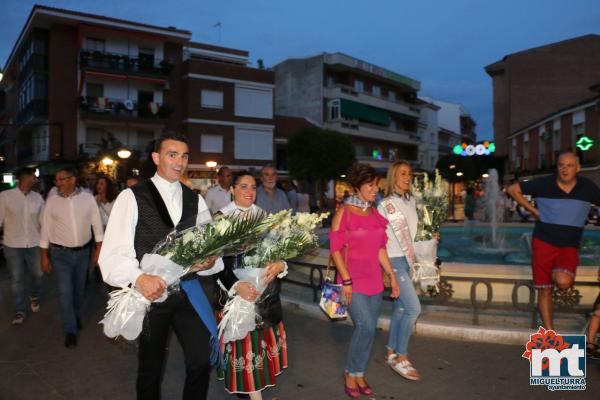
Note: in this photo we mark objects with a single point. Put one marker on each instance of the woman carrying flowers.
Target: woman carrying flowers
(357, 245)
(252, 363)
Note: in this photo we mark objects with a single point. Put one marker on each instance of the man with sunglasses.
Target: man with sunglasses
(66, 224)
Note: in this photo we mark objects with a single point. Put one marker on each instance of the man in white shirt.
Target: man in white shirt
(220, 195)
(66, 224)
(141, 217)
(20, 215)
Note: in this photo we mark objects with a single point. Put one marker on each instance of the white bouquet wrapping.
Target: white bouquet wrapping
(239, 315)
(425, 271)
(127, 307)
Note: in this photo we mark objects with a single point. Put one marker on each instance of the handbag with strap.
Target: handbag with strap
(331, 293)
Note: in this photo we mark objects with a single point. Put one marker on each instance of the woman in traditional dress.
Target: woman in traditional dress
(251, 364)
(399, 208)
(358, 247)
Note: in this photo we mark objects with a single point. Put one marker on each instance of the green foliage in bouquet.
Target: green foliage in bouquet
(292, 236)
(432, 205)
(227, 234)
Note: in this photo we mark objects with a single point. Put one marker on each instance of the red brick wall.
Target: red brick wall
(566, 131)
(538, 82)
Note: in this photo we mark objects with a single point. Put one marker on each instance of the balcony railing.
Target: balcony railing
(395, 105)
(123, 108)
(113, 62)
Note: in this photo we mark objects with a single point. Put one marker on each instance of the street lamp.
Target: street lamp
(124, 153)
(211, 164)
(459, 173)
(107, 161)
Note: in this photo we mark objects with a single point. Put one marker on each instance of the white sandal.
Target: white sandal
(403, 368)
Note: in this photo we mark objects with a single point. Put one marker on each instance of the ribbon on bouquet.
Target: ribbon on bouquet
(197, 297)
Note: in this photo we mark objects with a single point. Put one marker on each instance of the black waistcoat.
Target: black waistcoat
(154, 222)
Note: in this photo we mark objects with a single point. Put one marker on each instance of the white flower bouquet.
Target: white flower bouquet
(432, 208)
(290, 237)
(174, 257)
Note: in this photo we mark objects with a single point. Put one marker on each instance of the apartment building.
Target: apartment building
(376, 107)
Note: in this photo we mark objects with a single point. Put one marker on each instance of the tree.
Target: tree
(319, 155)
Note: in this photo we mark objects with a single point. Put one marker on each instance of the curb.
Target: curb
(462, 333)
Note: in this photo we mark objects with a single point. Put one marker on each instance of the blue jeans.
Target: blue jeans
(18, 260)
(364, 311)
(406, 308)
(70, 268)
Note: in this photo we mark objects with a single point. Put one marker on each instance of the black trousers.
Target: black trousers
(176, 312)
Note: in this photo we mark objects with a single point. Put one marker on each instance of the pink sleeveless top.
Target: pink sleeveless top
(365, 236)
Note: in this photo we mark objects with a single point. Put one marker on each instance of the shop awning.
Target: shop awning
(363, 112)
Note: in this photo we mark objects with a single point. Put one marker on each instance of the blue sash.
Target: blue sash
(197, 297)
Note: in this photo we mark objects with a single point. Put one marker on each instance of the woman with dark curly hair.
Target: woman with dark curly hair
(358, 248)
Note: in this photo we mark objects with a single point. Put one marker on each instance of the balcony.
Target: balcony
(362, 129)
(125, 109)
(340, 91)
(37, 108)
(119, 63)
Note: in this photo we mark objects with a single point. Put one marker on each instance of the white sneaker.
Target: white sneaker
(18, 319)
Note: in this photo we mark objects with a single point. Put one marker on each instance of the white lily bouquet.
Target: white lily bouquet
(290, 237)
(174, 257)
(432, 208)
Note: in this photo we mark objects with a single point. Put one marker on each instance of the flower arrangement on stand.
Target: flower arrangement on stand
(432, 208)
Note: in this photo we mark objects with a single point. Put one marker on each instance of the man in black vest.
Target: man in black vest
(141, 217)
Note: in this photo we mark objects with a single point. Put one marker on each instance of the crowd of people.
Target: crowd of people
(79, 228)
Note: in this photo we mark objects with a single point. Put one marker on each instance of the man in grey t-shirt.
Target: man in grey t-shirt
(268, 197)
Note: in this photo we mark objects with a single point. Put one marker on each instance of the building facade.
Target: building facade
(376, 107)
(536, 83)
(79, 86)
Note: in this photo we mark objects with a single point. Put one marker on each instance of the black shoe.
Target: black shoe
(70, 340)
(79, 325)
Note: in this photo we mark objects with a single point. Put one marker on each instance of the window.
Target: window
(94, 136)
(526, 147)
(333, 110)
(556, 140)
(392, 95)
(211, 99)
(254, 102)
(146, 58)
(94, 90)
(93, 44)
(253, 144)
(393, 124)
(330, 81)
(376, 91)
(359, 85)
(211, 143)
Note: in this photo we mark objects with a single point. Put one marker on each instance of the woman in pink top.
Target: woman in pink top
(358, 247)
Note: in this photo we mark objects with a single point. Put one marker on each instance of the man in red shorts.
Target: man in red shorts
(563, 203)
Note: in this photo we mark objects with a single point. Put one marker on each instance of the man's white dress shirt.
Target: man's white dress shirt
(118, 261)
(21, 216)
(67, 220)
(217, 198)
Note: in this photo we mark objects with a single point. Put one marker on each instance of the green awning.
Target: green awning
(363, 112)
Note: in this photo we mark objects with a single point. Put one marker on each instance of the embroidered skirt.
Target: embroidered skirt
(252, 363)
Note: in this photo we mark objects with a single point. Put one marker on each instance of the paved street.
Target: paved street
(35, 365)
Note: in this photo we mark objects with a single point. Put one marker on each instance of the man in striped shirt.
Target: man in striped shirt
(563, 203)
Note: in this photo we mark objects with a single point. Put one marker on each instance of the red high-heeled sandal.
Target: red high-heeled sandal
(351, 392)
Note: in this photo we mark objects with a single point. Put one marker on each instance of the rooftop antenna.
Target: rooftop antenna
(218, 25)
